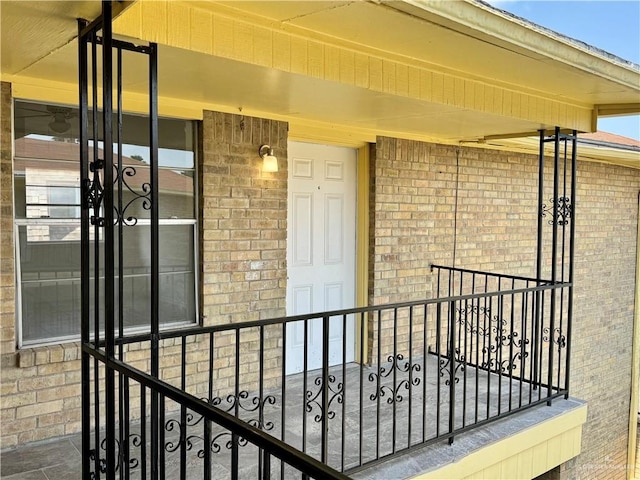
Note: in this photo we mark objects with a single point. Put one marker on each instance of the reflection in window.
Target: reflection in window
(47, 210)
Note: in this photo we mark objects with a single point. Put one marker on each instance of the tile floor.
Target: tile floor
(60, 459)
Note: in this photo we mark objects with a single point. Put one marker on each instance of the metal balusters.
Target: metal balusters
(261, 394)
(143, 432)
(473, 316)
(395, 378)
(236, 408)
(183, 411)
(324, 441)
(513, 336)
(377, 395)
(125, 427)
(266, 463)
(425, 357)
(489, 360)
(361, 385)
(463, 359)
(283, 416)
(465, 319)
(344, 391)
(304, 384)
(523, 342)
(161, 459)
(499, 343)
(532, 360)
(540, 339)
(409, 422)
(476, 315)
(95, 167)
(452, 369)
(439, 360)
(207, 424)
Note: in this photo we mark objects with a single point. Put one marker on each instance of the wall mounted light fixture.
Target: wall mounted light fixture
(269, 160)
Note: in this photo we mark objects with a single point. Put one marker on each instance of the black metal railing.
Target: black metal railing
(191, 437)
(419, 372)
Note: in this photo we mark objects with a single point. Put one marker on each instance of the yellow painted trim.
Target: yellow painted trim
(594, 118)
(635, 366)
(363, 226)
(535, 133)
(332, 134)
(362, 246)
(43, 90)
(618, 109)
(522, 456)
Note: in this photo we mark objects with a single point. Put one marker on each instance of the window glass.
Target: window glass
(47, 211)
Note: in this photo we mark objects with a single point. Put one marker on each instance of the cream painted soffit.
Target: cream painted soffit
(504, 30)
(464, 38)
(32, 30)
(365, 66)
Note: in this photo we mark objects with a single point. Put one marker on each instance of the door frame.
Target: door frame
(308, 134)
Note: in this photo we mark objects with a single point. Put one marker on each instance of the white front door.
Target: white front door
(321, 242)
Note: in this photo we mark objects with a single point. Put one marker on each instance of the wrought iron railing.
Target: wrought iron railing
(210, 430)
(420, 372)
(321, 393)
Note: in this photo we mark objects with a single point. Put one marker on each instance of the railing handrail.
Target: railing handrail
(490, 274)
(288, 454)
(199, 330)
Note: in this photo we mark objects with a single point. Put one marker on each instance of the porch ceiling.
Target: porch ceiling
(323, 62)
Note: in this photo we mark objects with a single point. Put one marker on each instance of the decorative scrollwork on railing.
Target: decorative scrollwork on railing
(560, 209)
(121, 216)
(93, 192)
(558, 337)
(490, 323)
(497, 339)
(335, 393)
(228, 403)
(134, 439)
(444, 366)
(506, 365)
(502, 345)
(393, 392)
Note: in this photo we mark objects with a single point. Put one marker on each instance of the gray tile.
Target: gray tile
(69, 469)
(32, 475)
(36, 456)
(61, 459)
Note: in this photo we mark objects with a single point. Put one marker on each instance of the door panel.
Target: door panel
(321, 250)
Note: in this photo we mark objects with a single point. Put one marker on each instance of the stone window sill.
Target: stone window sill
(31, 357)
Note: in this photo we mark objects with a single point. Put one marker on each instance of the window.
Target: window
(47, 211)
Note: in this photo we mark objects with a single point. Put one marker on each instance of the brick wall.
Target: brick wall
(606, 226)
(242, 242)
(412, 218)
(244, 218)
(243, 267)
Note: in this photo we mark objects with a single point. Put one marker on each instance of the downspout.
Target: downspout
(635, 365)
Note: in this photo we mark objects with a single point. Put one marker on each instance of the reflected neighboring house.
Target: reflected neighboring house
(47, 202)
